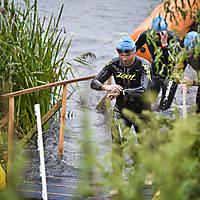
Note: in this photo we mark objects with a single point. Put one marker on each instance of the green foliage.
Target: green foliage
(180, 9)
(3, 145)
(167, 154)
(89, 162)
(167, 68)
(31, 55)
(175, 58)
(15, 180)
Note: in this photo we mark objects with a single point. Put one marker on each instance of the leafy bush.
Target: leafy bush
(167, 156)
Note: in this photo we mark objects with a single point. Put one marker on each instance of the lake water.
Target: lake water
(95, 26)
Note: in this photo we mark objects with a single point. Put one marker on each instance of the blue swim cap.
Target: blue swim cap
(159, 23)
(191, 40)
(126, 43)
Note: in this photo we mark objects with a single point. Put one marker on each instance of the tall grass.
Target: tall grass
(32, 53)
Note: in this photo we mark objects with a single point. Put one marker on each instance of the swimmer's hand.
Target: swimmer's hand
(113, 95)
(113, 87)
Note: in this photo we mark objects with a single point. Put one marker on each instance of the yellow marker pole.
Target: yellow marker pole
(2, 178)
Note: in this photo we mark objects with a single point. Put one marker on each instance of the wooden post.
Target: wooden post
(45, 119)
(102, 102)
(108, 103)
(109, 80)
(10, 137)
(62, 121)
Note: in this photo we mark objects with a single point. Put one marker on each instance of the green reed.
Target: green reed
(32, 53)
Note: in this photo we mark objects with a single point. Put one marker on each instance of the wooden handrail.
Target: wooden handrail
(102, 102)
(42, 87)
(62, 121)
(45, 119)
(12, 96)
(10, 136)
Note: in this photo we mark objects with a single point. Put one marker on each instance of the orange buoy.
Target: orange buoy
(181, 28)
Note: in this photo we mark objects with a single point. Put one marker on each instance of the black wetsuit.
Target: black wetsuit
(163, 71)
(195, 64)
(135, 80)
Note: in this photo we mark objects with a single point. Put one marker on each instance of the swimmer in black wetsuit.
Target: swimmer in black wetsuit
(132, 76)
(132, 79)
(168, 46)
(191, 42)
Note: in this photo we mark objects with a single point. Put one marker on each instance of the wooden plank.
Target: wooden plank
(45, 119)
(109, 80)
(62, 121)
(51, 195)
(65, 188)
(4, 121)
(102, 102)
(57, 181)
(42, 87)
(62, 184)
(108, 103)
(10, 137)
(58, 188)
